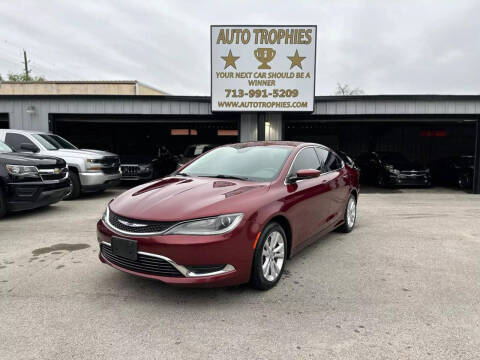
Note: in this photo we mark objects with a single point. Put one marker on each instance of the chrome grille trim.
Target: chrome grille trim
(112, 227)
(182, 269)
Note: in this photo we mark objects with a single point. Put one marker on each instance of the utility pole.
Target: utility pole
(25, 61)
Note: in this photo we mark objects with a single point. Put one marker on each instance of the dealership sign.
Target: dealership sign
(263, 68)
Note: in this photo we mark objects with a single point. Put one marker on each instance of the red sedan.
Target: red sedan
(231, 216)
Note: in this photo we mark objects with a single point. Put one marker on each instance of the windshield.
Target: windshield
(53, 142)
(4, 148)
(392, 157)
(255, 163)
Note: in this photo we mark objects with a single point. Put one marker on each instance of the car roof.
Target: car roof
(24, 131)
(294, 144)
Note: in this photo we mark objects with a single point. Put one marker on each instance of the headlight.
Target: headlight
(210, 226)
(93, 164)
(21, 170)
(145, 168)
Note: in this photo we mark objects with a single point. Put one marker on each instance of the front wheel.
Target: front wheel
(74, 191)
(269, 258)
(350, 215)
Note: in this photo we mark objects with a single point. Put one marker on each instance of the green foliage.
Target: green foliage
(22, 77)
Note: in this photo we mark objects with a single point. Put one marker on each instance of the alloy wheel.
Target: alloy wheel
(273, 255)
(351, 211)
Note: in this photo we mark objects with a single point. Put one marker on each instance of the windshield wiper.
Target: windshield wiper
(182, 174)
(221, 176)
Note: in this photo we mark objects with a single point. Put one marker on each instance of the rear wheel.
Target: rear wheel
(74, 186)
(3, 203)
(380, 181)
(269, 258)
(350, 215)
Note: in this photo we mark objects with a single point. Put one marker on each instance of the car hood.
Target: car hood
(181, 198)
(30, 159)
(80, 153)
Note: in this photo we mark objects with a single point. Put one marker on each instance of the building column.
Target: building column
(273, 126)
(248, 127)
(476, 161)
(261, 126)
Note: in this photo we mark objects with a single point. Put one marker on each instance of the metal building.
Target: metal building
(426, 127)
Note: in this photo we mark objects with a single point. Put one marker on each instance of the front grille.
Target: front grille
(110, 160)
(52, 173)
(110, 164)
(150, 226)
(130, 170)
(144, 264)
(412, 172)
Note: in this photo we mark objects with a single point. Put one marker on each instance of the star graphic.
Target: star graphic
(296, 60)
(230, 60)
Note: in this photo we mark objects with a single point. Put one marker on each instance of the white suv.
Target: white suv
(90, 170)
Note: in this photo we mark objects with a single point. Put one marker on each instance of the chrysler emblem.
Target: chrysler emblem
(135, 225)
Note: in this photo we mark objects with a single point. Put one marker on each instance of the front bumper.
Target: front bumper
(187, 253)
(27, 196)
(417, 179)
(97, 181)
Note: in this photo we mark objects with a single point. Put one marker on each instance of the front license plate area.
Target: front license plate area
(125, 248)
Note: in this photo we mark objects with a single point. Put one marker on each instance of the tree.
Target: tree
(22, 77)
(345, 90)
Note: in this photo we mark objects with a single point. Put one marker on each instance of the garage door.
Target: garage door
(3, 121)
(143, 135)
(428, 143)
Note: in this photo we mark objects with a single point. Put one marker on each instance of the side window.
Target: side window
(15, 140)
(332, 162)
(322, 156)
(306, 159)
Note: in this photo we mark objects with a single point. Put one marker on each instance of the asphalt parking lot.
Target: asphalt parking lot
(403, 285)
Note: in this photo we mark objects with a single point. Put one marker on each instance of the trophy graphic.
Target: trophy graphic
(264, 55)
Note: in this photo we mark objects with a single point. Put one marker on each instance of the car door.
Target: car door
(307, 199)
(15, 141)
(336, 177)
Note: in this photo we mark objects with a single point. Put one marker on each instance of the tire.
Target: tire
(349, 222)
(463, 181)
(271, 238)
(380, 182)
(74, 187)
(3, 203)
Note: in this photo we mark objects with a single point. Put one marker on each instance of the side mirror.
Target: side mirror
(307, 174)
(29, 147)
(304, 174)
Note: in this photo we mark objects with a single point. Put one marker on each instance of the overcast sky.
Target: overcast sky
(383, 47)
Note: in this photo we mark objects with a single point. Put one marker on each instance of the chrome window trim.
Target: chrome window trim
(321, 174)
(182, 269)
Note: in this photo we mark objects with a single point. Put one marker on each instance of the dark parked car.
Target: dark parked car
(233, 215)
(192, 151)
(139, 167)
(385, 168)
(454, 171)
(29, 181)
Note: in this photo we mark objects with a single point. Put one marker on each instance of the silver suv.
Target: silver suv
(90, 170)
